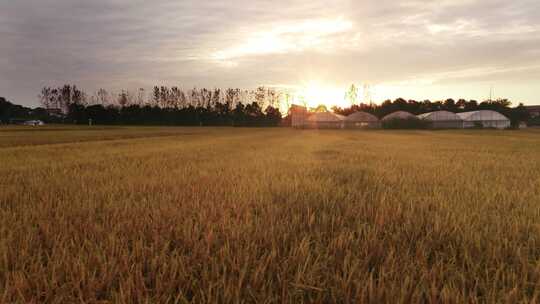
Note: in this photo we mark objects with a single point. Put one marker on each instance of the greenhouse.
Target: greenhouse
(325, 120)
(442, 120)
(402, 120)
(399, 115)
(362, 120)
(484, 119)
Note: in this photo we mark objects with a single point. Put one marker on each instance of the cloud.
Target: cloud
(324, 35)
(131, 43)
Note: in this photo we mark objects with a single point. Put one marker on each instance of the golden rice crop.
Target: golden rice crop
(220, 215)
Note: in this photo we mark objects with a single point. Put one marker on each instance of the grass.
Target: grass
(218, 215)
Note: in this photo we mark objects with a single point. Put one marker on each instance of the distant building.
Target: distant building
(484, 119)
(362, 120)
(442, 120)
(534, 111)
(399, 115)
(33, 123)
(325, 120)
(299, 116)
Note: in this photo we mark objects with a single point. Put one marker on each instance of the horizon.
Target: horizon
(309, 98)
(412, 50)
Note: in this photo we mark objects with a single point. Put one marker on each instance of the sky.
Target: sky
(415, 49)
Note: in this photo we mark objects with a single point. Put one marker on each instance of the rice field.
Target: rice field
(222, 215)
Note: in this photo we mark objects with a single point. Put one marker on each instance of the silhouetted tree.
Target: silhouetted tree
(352, 95)
(173, 106)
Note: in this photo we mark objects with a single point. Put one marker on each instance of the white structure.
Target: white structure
(484, 119)
(399, 115)
(442, 120)
(362, 120)
(325, 120)
(33, 123)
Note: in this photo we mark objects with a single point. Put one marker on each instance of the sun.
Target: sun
(313, 95)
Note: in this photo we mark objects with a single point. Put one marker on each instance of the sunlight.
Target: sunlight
(320, 34)
(315, 94)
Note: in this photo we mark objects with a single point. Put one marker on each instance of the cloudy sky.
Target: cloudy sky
(414, 48)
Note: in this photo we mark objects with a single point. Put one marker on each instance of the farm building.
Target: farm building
(325, 120)
(362, 120)
(402, 120)
(299, 116)
(33, 123)
(484, 119)
(442, 120)
(534, 111)
(399, 115)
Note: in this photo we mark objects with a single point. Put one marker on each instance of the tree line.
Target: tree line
(10, 112)
(166, 106)
(213, 107)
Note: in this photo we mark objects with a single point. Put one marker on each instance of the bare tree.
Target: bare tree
(141, 96)
(123, 98)
(46, 97)
(216, 97)
(182, 99)
(230, 95)
(156, 96)
(195, 99)
(103, 96)
(287, 100)
(273, 97)
(352, 95)
(175, 97)
(165, 100)
(260, 96)
(78, 96)
(206, 97)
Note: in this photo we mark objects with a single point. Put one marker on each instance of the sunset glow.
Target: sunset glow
(315, 94)
(409, 49)
(289, 37)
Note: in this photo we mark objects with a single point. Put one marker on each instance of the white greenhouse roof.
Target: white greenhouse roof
(362, 117)
(482, 115)
(399, 115)
(325, 117)
(439, 116)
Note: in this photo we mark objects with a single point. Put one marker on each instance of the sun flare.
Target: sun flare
(313, 95)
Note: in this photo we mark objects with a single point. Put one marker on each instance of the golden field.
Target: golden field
(222, 215)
